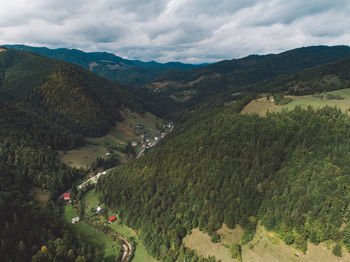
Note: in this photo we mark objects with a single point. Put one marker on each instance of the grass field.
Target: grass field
(264, 247)
(41, 195)
(201, 243)
(118, 137)
(104, 242)
(91, 202)
(262, 105)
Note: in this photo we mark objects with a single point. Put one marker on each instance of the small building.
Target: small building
(156, 138)
(143, 145)
(108, 154)
(66, 196)
(75, 220)
(134, 143)
(111, 219)
(99, 209)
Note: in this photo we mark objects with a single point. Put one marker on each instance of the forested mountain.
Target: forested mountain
(110, 66)
(289, 170)
(66, 94)
(318, 79)
(226, 77)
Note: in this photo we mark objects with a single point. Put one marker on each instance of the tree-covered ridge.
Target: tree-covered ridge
(63, 93)
(329, 77)
(237, 74)
(287, 169)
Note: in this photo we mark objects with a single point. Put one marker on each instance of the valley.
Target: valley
(253, 166)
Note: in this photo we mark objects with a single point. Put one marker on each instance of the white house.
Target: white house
(99, 209)
(75, 220)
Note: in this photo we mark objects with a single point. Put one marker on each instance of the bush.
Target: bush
(215, 237)
(337, 250)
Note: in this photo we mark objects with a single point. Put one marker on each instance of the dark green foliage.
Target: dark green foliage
(68, 95)
(236, 251)
(215, 237)
(337, 250)
(289, 169)
(323, 78)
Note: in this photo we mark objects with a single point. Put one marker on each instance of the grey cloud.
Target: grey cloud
(182, 30)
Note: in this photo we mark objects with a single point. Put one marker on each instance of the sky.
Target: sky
(190, 31)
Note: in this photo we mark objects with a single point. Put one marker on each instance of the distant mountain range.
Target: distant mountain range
(220, 80)
(110, 66)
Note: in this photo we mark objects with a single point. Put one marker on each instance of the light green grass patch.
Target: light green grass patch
(104, 242)
(91, 202)
(262, 105)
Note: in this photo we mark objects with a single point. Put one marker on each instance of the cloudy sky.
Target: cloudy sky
(192, 31)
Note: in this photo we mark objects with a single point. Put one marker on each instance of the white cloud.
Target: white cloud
(182, 30)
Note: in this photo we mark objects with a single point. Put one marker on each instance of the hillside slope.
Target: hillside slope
(199, 85)
(328, 77)
(110, 66)
(63, 93)
(288, 170)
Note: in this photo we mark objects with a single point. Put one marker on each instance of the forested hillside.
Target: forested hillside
(230, 76)
(324, 78)
(289, 170)
(66, 94)
(28, 232)
(110, 66)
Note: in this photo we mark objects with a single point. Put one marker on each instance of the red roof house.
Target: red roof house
(111, 219)
(66, 196)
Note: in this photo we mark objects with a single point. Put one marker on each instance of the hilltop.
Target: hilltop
(68, 95)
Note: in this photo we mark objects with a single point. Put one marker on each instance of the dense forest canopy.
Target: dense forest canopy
(288, 170)
(66, 94)
(27, 158)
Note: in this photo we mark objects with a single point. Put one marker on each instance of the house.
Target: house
(75, 220)
(108, 154)
(134, 143)
(66, 196)
(111, 219)
(143, 145)
(99, 209)
(156, 138)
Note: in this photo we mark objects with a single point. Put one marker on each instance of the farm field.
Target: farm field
(262, 105)
(91, 203)
(265, 246)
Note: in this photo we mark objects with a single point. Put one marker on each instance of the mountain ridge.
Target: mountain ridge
(108, 65)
